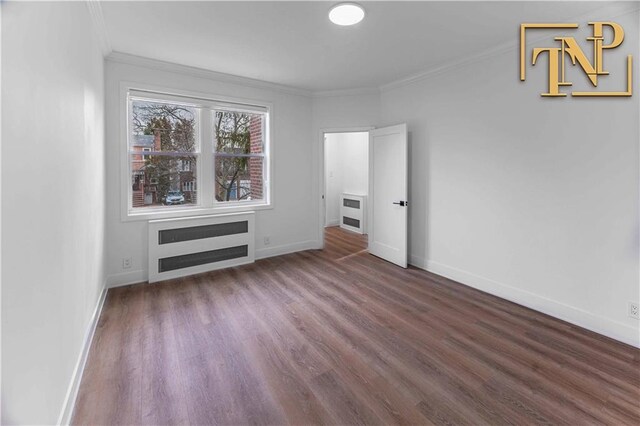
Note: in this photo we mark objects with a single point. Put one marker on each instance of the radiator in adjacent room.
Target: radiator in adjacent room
(353, 212)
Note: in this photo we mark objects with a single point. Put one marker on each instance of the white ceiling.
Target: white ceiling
(294, 43)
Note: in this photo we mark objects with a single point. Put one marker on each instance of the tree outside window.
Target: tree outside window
(239, 156)
(166, 148)
(171, 134)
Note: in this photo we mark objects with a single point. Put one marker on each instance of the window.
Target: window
(187, 153)
(239, 156)
(164, 138)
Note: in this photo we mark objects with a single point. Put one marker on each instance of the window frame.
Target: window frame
(264, 156)
(206, 105)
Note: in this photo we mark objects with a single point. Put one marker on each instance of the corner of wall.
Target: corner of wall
(126, 278)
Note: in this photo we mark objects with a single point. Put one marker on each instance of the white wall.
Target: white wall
(290, 224)
(346, 111)
(52, 201)
(530, 198)
(355, 162)
(333, 179)
(346, 170)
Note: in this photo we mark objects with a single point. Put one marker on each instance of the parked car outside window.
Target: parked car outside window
(174, 197)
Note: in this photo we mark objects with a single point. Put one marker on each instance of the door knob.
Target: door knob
(402, 203)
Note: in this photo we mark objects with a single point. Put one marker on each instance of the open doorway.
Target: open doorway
(346, 187)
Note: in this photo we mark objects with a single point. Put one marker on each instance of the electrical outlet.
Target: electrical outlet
(634, 310)
(126, 262)
(267, 241)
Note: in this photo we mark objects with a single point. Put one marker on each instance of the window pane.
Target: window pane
(239, 178)
(238, 132)
(162, 127)
(163, 180)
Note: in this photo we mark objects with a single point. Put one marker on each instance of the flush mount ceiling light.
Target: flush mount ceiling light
(346, 14)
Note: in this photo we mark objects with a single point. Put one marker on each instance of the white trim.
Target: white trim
(97, 18)
(331, 223)
(347, 129)
(322, 211)
(128, 59)
(74, 386)
(206, 205)
(127, 278)
(205, 179)
(418, 262)
(571, 314)
(192, 100)
(196, 98)
(458, 63)
(346, 92)
(171, 212)
(263, 253)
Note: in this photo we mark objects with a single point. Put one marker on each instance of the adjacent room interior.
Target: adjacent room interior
(346, 184)
(320, 213)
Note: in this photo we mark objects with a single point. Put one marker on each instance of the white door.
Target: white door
(388, 203)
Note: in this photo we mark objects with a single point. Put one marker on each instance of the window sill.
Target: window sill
(136, 216)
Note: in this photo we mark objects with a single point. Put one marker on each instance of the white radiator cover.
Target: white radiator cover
(187, 246)
(353, 212)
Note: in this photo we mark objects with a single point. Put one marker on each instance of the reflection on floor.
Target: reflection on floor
(342, 337)
(340, 243)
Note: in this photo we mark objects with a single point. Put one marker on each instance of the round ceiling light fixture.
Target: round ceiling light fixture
(346, 14)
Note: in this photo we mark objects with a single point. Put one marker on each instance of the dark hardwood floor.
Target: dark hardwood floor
(341, 337)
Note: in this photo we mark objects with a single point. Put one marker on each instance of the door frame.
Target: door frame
(322, 183)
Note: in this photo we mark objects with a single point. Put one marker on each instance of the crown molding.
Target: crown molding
(346, 92)
(431, 72)
(128, 59)
(618, 9)
(97, 18)
(156, 64)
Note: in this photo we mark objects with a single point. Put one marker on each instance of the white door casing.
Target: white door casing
(388, 190)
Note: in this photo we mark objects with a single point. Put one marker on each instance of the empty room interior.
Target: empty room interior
(310, 213)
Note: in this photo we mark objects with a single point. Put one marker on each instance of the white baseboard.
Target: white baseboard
(418, 262)
(287, 248)
(140, 275)
(126, 278)
(74, 386)
(573, 315)
(335, 222)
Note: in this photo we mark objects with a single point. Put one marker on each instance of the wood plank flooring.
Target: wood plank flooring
(341, 337)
